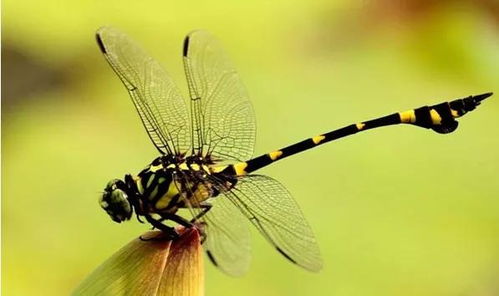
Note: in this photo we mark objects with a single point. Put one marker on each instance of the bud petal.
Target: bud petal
(151, 267)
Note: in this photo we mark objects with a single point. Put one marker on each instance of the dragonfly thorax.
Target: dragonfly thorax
(168, 183)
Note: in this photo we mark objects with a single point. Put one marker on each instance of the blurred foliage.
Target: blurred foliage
(397, 211)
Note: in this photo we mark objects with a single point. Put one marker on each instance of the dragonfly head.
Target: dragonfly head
(115, 202)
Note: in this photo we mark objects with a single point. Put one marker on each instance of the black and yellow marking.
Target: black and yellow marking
(191, 169)
(440, 118)
(158, 189)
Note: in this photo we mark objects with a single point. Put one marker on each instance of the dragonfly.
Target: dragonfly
(205, 168)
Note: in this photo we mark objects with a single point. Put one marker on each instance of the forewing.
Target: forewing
(227, 241)
(274, 212)
(222, 116)
(161, 107)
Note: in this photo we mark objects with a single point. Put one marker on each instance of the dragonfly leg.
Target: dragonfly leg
(138, 218)
(200, 227)
(167, 230)
(188, 224)
(176, 218)
(205, 208)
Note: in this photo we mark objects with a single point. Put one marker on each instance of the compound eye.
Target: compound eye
(115, 202)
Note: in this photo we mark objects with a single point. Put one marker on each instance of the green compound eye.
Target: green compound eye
(115, 202)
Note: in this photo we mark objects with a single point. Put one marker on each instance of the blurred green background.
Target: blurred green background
(396, 211)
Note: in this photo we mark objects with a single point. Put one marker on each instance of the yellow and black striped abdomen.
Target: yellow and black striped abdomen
(441, 118)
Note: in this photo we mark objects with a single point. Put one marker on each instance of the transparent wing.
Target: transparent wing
(227, 241)
(274, 212)
(223, 122)
(161, 107)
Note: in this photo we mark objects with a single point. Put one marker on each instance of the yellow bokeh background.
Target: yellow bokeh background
(396, 211)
